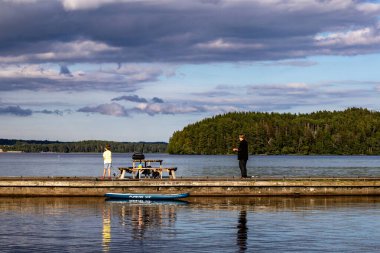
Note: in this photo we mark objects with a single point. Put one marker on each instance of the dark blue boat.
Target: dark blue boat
(146, 196)
(145, 202)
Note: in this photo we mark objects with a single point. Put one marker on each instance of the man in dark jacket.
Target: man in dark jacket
(242, 155)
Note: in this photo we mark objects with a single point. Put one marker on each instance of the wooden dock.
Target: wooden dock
(196, 186)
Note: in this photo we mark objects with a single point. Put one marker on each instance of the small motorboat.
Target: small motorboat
(146, 202)
(146, 196)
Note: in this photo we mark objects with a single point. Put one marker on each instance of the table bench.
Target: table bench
(154, 171)
(145, 163)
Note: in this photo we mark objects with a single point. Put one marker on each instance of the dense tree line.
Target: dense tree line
(353, 131)
(82, 146)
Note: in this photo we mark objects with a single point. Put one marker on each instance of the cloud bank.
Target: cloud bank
(37, 77)
(119, 46)
(18, 111)
(199, 31)
(15, 110)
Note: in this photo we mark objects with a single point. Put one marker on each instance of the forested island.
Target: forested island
(81, 146)
(355, 131)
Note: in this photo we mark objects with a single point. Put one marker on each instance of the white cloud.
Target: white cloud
(295, 63)
(279, 89)
(72, 5)
(115, 109)
(27, 71)
(140, 72)
(221, 44)
(293, 5)
(75, 49)
(297, 85)
(13, 59)
(167, 108)
(84, 47)
(112, 109)
(369, 7)
(61, 51)
(299, 5)
(80, 4)
(21, 1)
(49, 77)
(364, 36)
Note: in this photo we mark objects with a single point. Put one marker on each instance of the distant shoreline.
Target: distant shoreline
(12, 151)
(88, 146)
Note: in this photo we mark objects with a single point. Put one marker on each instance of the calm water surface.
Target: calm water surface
(198, 225)
(349, 224)
(194, 165)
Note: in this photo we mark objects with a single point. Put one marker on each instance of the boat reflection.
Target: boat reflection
(141, 217)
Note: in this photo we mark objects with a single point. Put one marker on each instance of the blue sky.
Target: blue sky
(138, 70)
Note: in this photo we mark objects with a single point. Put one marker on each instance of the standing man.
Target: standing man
(107, 157)
(242, 155)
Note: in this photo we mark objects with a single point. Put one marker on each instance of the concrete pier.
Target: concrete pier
(90, 186)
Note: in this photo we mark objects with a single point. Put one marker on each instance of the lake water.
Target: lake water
(243, 224)
(48, 164)
(198, 225)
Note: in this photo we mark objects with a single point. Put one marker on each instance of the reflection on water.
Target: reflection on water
(244, 224)
(106, 229)
(144, 217)
(242, 236)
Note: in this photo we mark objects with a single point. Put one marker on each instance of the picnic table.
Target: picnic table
(149, 168)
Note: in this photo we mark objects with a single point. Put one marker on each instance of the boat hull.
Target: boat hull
(146, 196)
(146, 202)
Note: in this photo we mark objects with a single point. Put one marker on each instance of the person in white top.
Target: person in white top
(107, 157)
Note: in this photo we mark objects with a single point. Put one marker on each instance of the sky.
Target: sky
(139, 70)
